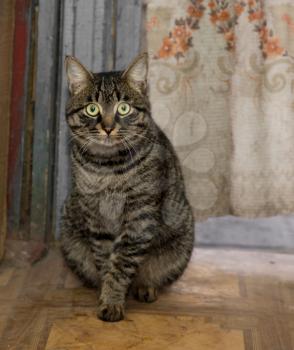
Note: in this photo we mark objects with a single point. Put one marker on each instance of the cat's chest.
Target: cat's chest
(97, 182)
(111, 205)
(104, 211)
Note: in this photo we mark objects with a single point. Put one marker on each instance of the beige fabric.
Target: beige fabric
(222, 88)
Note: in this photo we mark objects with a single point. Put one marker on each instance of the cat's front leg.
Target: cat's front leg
(128, 253)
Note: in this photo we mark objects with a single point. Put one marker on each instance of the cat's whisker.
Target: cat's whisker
(140, 136)
(84, 147)
(130, 144)
(77, 135)
(125, 143)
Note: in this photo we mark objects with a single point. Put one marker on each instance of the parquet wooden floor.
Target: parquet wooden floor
(226, 300)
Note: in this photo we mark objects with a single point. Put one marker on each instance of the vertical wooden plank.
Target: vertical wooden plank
(28, 129)
(83, 31)
(103, 36)
(86, 34)
(62, 169)
(128, 30)
(18, 112)
(98, 21)
(93, 42)
(143, 35)
(44, 120)
(6, 52)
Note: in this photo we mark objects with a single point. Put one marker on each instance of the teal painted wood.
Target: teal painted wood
(44, 119)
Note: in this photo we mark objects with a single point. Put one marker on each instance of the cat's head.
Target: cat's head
(108, 112)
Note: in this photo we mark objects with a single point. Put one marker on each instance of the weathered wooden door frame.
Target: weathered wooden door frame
(6, 62)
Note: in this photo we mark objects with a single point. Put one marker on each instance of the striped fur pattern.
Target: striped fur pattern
(127, 225)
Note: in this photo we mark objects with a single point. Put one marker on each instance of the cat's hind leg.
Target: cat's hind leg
(163, 266)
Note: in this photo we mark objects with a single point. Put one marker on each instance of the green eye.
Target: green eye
(92, 109)
(123, 108)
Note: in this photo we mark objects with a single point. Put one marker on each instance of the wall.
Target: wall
(104, 35)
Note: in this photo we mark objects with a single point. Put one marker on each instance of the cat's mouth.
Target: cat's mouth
(108, 141)
(99, 143)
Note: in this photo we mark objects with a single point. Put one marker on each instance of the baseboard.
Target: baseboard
(228, 231)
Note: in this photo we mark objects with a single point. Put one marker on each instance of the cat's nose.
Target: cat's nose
(108, 130)
(108, 124)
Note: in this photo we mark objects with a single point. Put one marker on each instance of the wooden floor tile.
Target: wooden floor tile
(5, 275)
(226, 300)
(143, 332)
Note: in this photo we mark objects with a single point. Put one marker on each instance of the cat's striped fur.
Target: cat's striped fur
(127, 224)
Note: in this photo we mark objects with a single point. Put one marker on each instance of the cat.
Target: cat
(127, 225)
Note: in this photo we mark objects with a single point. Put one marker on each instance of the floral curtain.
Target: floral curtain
(222, 88)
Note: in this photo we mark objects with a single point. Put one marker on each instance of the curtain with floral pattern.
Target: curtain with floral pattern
(222, 89)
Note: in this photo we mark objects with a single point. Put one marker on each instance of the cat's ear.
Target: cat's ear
(77, 75)
(136, 73)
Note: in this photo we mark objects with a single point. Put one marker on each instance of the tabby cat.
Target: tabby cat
(127, 225)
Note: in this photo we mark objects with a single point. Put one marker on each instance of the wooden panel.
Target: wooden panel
(44, 120)
(128, 32)
(28, 128)
(97, 32)
(62, 171)
(83, 31)
(18, 113)
(6, 52)
(105, 37)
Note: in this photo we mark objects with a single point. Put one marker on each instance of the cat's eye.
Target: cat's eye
(123, 109)
(92, 110)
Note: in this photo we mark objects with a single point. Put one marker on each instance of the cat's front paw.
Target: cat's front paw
(110, 312)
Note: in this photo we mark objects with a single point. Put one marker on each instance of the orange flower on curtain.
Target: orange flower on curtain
(226, 21)
(289, 21)
(269, 43)
(225, 18)
(179, 39)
